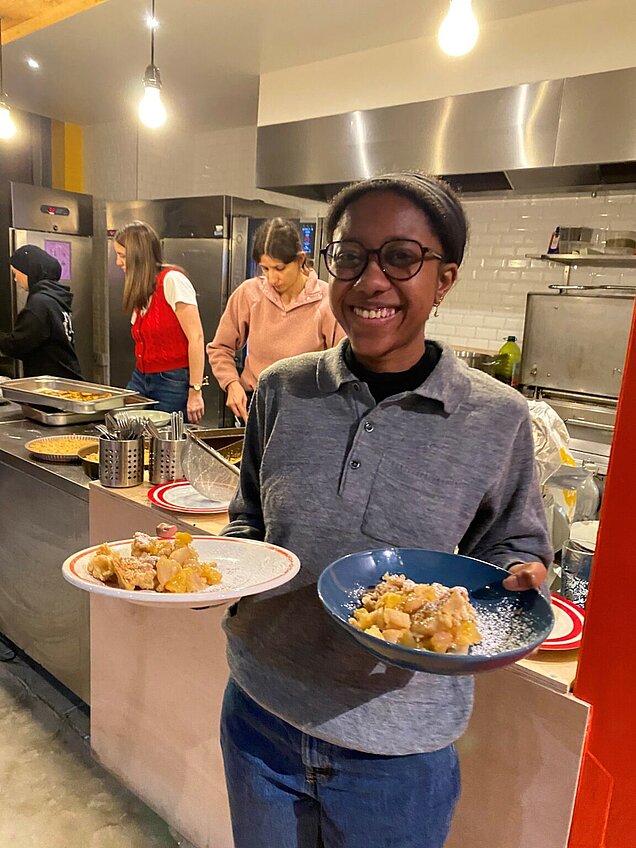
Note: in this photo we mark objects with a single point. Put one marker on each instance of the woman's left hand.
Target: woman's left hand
(196, 407)
(525, 575)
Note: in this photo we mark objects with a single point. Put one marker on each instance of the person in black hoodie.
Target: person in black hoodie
(43, 333)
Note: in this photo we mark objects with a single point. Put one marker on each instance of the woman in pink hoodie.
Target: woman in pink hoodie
(282, 313)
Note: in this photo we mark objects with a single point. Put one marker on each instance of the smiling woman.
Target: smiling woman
(415, 450)
(282, 312)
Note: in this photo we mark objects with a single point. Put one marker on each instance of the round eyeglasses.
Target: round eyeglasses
(399, 259)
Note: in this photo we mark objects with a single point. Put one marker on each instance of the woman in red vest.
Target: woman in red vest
(166, 325)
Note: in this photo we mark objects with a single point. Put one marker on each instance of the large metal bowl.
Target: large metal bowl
(206, 470)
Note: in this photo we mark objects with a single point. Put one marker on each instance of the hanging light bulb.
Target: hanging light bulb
(152, 112)
(459, 30)
(7, 127)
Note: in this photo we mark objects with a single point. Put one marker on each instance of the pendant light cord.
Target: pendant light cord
(1, 77)
(152, 33)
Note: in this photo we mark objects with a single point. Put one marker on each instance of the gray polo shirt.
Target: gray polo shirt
(326, 471)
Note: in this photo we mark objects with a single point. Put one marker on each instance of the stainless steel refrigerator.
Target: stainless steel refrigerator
(211, 239)
(60, 222)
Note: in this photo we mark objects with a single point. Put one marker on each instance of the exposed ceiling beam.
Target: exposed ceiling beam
(22, 17)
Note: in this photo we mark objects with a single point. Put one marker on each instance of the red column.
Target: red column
(605, 809)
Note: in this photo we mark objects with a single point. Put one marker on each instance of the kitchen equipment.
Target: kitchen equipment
(620, 242)
(59, 418)
(33, 390)
(165, 459)
(90, 466)
(209, 473)
(573, 354)
(121, 463)
(511, 626)
(60, 222)
(211, 239)
(486, 362)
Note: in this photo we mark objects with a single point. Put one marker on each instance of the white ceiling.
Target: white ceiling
(210, 52)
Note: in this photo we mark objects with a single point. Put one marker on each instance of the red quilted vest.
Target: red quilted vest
(160, 343)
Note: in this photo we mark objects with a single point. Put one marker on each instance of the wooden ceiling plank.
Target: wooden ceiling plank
(22, 17)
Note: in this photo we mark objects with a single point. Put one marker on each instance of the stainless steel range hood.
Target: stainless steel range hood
(558, 134)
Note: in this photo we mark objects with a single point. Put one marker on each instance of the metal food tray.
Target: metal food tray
(59, 418)
(28, 390)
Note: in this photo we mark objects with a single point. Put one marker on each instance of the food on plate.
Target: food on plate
(92, 457)
(427, 616)
(61, 445)
(67, 394)
(162, 565)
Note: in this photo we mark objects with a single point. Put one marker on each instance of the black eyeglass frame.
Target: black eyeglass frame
(427, 253)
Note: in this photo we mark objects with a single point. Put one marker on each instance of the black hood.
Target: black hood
(36, 263)
(43, 272)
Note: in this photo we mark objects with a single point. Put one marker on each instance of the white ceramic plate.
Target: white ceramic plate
(568, 626)
(181, 496)
(247, 567)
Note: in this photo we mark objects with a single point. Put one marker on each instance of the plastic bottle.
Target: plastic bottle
(509, 362)
(555, 238)
(587, 496)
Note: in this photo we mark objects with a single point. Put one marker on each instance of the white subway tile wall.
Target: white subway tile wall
(488, 301)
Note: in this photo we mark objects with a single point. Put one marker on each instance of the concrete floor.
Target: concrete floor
(52, 793)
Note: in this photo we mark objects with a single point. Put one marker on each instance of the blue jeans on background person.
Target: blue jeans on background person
(291, 790)
(168, 388)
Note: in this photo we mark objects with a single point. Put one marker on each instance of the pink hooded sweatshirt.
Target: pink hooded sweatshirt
(255, 314)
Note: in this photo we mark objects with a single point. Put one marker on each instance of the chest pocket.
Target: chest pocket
(426, 511)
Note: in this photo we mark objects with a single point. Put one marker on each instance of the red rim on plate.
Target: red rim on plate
(239, 552)
(569, 620)
(157, 496)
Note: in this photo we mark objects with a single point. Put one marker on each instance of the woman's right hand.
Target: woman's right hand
(237, 400)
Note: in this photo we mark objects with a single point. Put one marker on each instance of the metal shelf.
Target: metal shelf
(591, 261)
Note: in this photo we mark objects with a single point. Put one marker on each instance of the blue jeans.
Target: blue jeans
(168, 388)
(290, 790)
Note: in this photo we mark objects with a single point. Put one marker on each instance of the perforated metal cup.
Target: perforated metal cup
(165, 460)
(121, 463)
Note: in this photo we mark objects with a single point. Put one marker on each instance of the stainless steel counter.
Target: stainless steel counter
(44, 518)
(68, 477)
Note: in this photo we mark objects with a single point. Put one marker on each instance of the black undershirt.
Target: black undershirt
(384, 384)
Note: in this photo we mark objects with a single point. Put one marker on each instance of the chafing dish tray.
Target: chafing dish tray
(60, 418)
(36, 390)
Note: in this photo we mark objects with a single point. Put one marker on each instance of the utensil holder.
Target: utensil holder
(165, 460)
(121, 463)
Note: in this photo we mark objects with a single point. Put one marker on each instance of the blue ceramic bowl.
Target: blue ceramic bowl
(512, 624)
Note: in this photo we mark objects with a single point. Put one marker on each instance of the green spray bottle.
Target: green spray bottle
(509, 362)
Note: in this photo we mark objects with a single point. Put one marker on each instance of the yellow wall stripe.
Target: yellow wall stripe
(67, 156)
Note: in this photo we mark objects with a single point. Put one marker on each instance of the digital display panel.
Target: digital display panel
(61, 250)
(55, 210)
(308, 238)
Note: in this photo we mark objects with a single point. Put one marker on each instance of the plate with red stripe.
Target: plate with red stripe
(247, 568)
(568, 626)
(181, 496)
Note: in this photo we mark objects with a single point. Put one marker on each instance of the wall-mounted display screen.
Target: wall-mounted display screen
(308, 238)
(61, 250)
